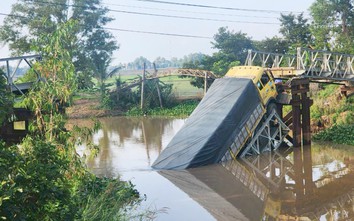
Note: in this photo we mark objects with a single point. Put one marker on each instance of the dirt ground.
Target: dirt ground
(87, 108)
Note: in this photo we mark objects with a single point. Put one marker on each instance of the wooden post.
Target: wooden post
(301, 112)
(296, 121)
(157, 86)
(142, 88)
(305, 112)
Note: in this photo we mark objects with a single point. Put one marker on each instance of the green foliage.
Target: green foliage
(329, 108)
(296, 30)
(48, 96)
(235, 45)
(47, 181)
(109, 200)
(44, 178)
(5, 100)
(232, 51)
(36, 186)
(328, 90)
(128, 98)
(90, 53)
(274, 44)
(84, 80)
(332, 25)
(343, 134)
(182, 109)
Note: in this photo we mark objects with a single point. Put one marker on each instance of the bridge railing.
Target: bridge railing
(12, 74)
(316, 64)
(174, 72)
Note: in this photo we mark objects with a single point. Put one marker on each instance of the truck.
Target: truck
(263, 79)
(224, 121)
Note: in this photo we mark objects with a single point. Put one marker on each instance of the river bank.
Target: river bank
(88, 108)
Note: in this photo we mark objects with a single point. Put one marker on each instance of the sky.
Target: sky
(195, 24)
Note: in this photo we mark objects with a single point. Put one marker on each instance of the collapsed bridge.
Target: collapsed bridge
(241, 114)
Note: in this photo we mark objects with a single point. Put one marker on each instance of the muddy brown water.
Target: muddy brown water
(310, 183)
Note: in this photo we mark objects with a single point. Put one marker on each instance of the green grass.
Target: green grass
(181, 86)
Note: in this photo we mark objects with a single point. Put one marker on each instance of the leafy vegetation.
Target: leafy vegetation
(44, 178)
(331, 108)
(342, 134)
(182, 109)
(129, 98)
(92, 50)
(5, 101)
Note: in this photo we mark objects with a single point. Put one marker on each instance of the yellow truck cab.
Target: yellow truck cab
(262, 78)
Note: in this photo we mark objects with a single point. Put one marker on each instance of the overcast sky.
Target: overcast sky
(257, 18)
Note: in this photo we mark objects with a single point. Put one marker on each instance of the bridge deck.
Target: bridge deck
(21, 88)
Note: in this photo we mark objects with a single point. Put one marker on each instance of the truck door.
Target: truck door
(266, 87)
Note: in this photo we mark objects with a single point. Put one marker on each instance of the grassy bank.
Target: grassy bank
(334, 114)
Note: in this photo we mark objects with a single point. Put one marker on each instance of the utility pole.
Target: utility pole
(142, 88)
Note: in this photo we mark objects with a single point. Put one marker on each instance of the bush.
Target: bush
(128, 98)
(342, 134)
(182, 109)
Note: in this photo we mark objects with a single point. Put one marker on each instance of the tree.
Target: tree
(332, 26)
(296, 30)
(138, 63)
(30, 19)
(44, 178)
(232, 51)
(96, 49)
(161, 62)
(274, 44)
(233, 45)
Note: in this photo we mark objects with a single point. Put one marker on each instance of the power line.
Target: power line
(216, 7)
(162, 15)
(158, 33)
(194, 12)
(134, 31)
(193, 18)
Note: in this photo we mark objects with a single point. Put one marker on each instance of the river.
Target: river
(312, 183)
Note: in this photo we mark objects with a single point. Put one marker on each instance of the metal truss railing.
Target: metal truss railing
(270, 60)
(167, 73)
(11, 75)
(316, 64)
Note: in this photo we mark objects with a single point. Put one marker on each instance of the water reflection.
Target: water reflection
(275, 186)
(314, 183)
(128, 144)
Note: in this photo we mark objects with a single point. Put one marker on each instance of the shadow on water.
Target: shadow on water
(309, 183)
